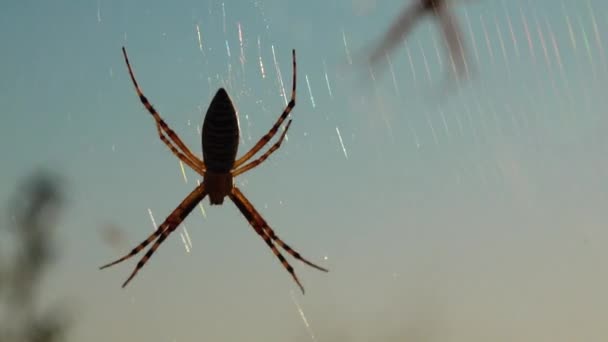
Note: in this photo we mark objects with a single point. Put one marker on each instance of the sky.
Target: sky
(470, 215)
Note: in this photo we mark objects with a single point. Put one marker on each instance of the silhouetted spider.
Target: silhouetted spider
(220, 138)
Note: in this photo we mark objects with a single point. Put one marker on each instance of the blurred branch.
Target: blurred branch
(34, 211)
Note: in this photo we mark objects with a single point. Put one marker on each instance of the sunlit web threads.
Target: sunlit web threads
(394, 78)
(200, 39)
(587, 45)
(411, 62)
(556, 50)
(598, 39)
(186, 238)
(181, 164)
(312, 99)
(436, 47)
(241, 46)
(346, 50)
(426, 62)
(543, 44)
(445, 123)
(341, 142)
(502, 45)
(279, 76)
(260, 61)
(524, 21)
(228, 49)
(154, 226)
(472, 36)
(570, 29)
(99, 11)
(224, 17)
(511, 31)
(331, 96)
(303, 316)
(487, 39)
(200, 204)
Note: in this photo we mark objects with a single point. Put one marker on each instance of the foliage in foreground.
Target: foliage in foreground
(33, 213)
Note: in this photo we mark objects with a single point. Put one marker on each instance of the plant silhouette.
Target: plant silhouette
(33, 213)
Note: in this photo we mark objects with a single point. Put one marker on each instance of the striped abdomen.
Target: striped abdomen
(220, 134)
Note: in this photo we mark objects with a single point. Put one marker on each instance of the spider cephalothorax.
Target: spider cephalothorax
(220, 138)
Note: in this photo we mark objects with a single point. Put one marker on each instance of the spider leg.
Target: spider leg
(264, 230)
(162, 125)
(166, 228)
(264, 140)
(453, 38)
(287, 248)
(259, 161)
(138, 248)
(399, 29)
(193, 164)
(268, 231)
(252, 219)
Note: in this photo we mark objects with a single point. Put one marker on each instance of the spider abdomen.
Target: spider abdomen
(220, 135)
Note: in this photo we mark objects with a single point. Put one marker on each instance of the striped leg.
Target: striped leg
(195, 165)
(259, 161)
(139, 247)
(255, 219)
(264, 140)
(192, 160)
(268, 231)
(166, 228)
(251, 218)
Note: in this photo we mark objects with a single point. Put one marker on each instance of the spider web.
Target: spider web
(446, 209)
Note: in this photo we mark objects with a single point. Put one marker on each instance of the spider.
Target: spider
(408, 18)
(220, 138)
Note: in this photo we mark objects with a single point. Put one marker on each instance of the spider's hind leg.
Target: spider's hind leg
(167, 227)
(264, 230)
(138, 248)
(250, 216)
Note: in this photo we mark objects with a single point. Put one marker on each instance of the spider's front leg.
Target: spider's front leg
(263, 157)
(184, 153)
(266, 138)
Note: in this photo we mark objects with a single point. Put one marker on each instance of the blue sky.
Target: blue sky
(473, 216)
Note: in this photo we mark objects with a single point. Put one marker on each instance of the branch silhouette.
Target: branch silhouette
(34, 211)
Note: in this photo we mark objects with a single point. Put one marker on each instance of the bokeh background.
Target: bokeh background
(476, 214)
